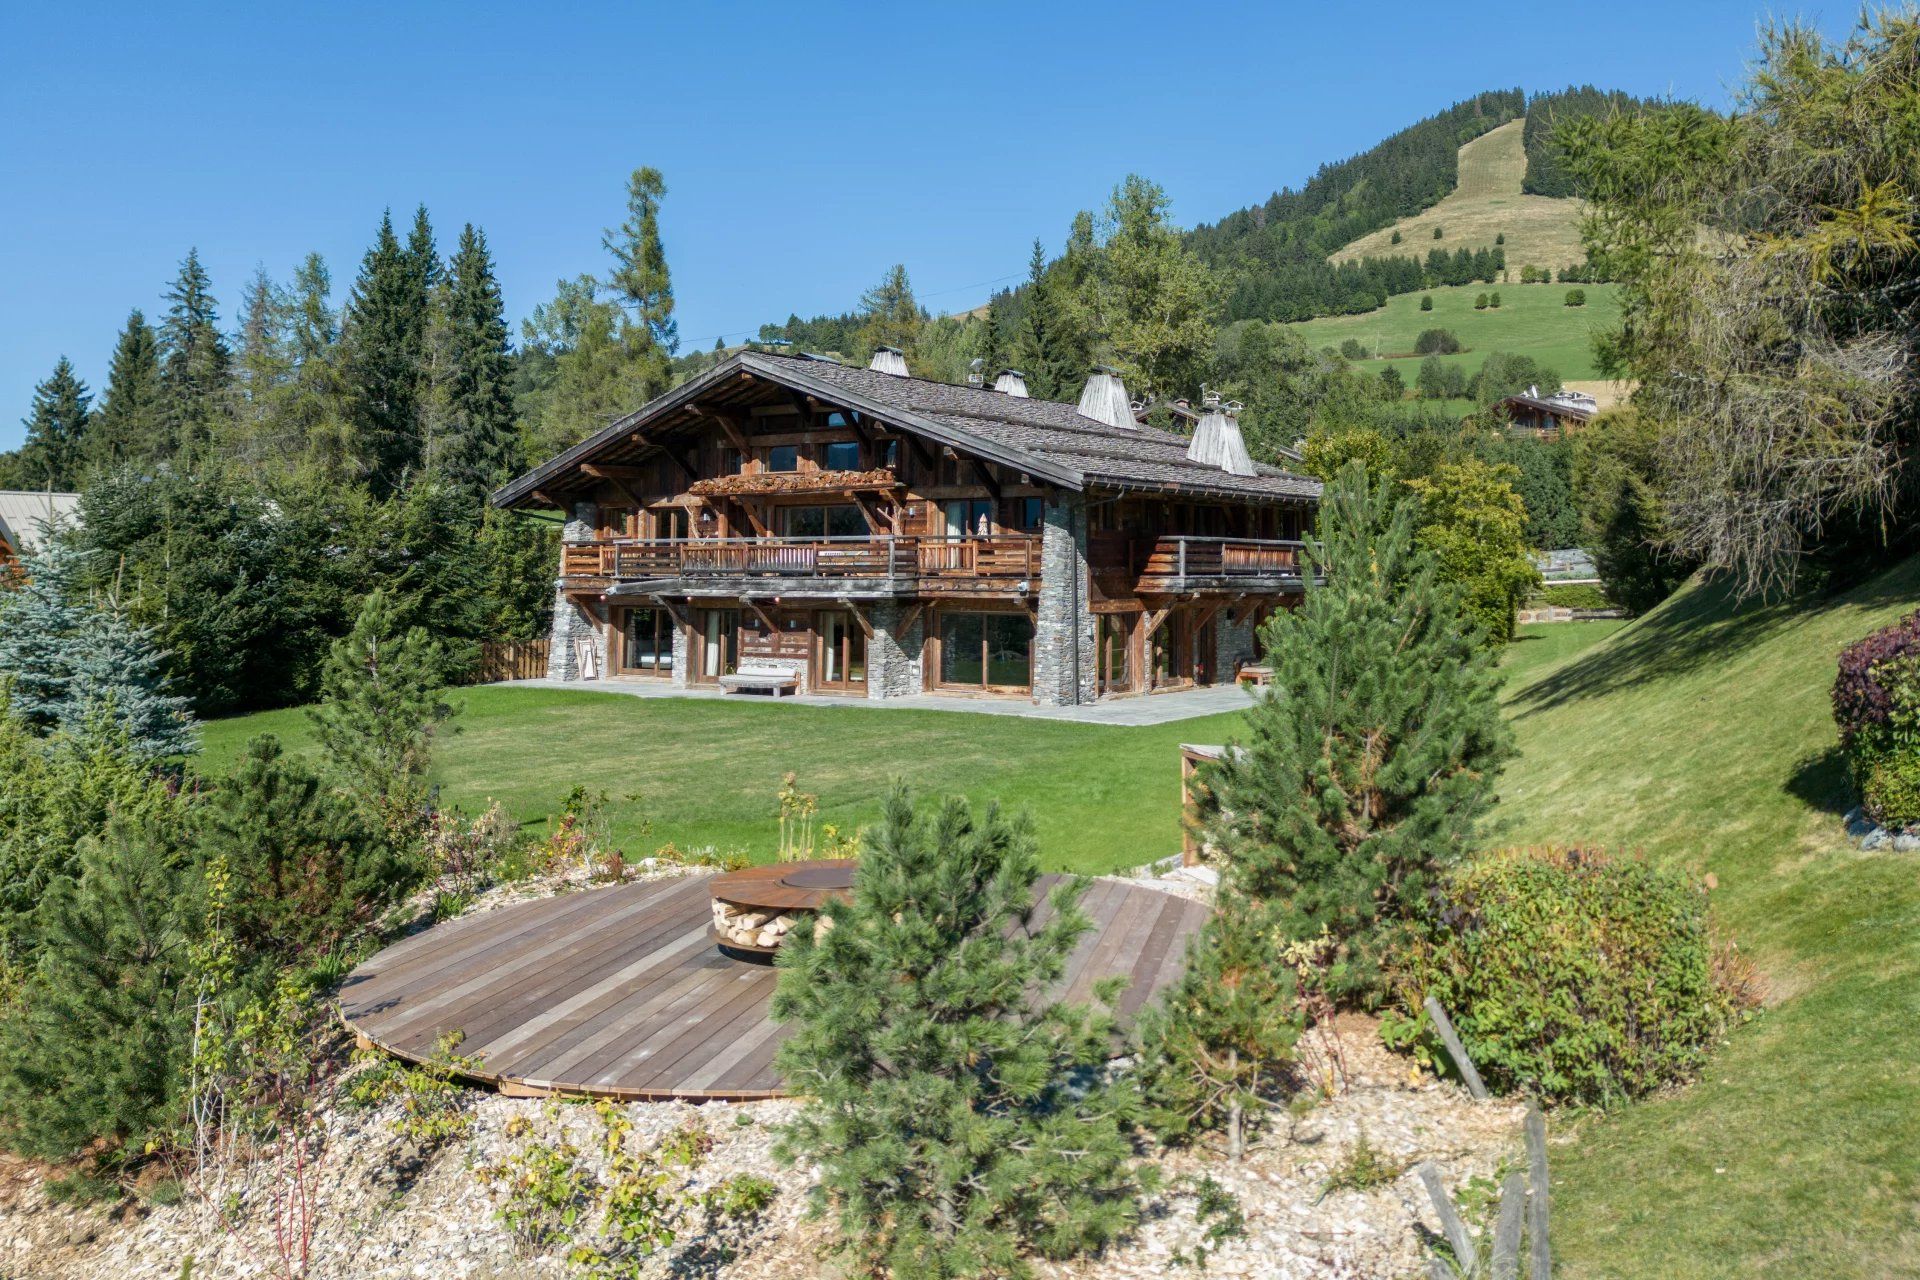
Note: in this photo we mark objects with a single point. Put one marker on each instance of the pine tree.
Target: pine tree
(307, 870)
(194, 359)
(114, 678)
(93, 1057)
(640, 280)
(40, 621)
(385, 333)
(478, 442)
(1220, 1041)
(56, 427)
(380, 708)
(889, 315)
(1045, 349)
(944, 1114)
(1373, 751)
(130, 427)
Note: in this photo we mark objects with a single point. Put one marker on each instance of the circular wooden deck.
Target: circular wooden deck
(620, 992)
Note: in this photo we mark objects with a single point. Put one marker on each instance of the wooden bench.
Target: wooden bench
(1255, 675)
(773, 680)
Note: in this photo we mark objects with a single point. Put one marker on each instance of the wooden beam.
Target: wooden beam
(908, 618)
(753, 517)
(1208, 614)
(874, 523)
(686, 468)
(675, 611)
(1151, 619)
(613, 471)
(728, 422)
(986, 476)
(617, 477)
(859, 617)
(765, 618)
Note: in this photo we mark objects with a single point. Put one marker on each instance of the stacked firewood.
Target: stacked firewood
(758, 926)
(761, 482)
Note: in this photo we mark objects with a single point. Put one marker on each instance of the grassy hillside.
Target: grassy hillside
(1701, 735)
(1540, 231)
(704, 772)
(1533, 319)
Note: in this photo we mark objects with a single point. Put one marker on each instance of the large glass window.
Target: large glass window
(843, 651)
(841, 455)
(647, 642)
(986, 650)
(783, 457)
(969, 517)
(822, 522)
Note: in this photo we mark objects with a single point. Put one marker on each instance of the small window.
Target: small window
(1028, 514)
(890, 454)
(783, 457)
(841, 455)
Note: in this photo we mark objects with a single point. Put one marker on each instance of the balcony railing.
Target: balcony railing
(1010, 557)
(1180, 558)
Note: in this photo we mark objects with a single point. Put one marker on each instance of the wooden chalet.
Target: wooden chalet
(24, 513)
(783, 521)
(1548, 417)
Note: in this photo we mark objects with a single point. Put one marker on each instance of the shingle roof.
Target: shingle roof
(23, 511)
(1044, 437)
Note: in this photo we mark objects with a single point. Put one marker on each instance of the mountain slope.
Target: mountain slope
(1540, 231)
(1701, 734)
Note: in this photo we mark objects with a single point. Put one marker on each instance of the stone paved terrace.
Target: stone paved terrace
(1147, 709)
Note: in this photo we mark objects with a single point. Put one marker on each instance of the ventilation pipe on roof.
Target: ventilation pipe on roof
(1011, 382)
(1217, 441)
(1105, 398)
(888, 360)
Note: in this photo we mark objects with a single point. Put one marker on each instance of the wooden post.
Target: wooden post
(1465, 1255)
(1541, 1265)
(1506, 1231)
(1451, 1039)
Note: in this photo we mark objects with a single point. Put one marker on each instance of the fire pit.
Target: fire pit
(754, 910)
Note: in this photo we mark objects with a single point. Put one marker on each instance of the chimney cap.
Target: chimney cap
(1104, 399)
(1011, 382)
(888, 360)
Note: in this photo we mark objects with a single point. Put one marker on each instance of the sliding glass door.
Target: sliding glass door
(646, 643)
(986, 652)
(841, 659)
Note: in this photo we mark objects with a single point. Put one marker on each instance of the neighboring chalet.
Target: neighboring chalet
(1561, 414)
(791, 521)
(23, 513)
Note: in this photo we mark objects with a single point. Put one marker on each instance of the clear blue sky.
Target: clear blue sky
(806, 146)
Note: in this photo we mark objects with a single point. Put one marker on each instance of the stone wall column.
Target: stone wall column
(1234, 643)
(569, 621)
(682, 650)
(893, 655)
(1063, 629)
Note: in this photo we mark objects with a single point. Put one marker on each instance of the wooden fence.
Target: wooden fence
(510, 660)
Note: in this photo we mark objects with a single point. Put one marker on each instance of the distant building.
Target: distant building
(24, 514)
(1549, 417)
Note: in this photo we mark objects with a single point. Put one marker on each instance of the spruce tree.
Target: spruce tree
(258, 437)
(194, 359)
(478, 443)
(319, 407)
(114, 678)
(130, 427)
(385, 331)
(380, 708)
(640, 280)
(956, 1111)
(889, 315)
(1372, 753)
(40, 622)
(56, 427)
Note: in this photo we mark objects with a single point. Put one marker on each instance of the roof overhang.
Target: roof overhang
(792, 375)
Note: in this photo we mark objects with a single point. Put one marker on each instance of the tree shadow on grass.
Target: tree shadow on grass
(1707, 626)
(1822, 781)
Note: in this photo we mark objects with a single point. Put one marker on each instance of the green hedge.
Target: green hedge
(1572, 595)
(1573, 975)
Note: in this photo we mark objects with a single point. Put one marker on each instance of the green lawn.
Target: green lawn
(704, 772)
(1702, 735)
(1533, 320)
(1541, 644)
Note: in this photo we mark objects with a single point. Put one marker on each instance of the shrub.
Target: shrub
(1576, 297)
(1574, 975)
(1876, 704)
(1426, 302)
(1573, 595)
(1395, 238)
(957, 1114)
(1493, 300)
(1437, 342)
(1353, 349)
(1437, 232)
(1480, 302)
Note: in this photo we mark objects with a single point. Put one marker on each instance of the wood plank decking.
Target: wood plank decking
(621, 992)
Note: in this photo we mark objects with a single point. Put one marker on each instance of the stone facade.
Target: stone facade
(893, 658)
(572, 623)
(1065, 672)
(1235, 642)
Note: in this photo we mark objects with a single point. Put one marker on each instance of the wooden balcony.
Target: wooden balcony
(866, 566)
(1177, 563)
